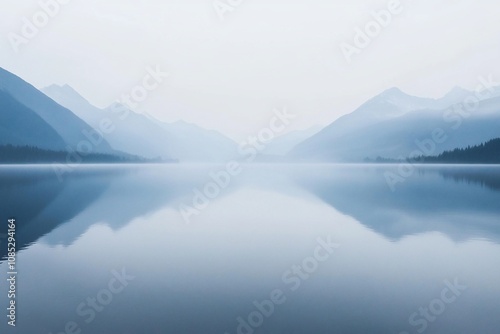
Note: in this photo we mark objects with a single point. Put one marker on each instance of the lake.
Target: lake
(266, 249)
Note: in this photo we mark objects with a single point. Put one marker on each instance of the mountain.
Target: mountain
(283, 144)
(387, 105)
(131, 132)
(455, 95)
(141, 134)
(65, 125)
(390, 124)
(189, 142)
(21, 126)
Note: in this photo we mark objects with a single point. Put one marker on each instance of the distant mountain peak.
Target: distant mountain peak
(63, 91)
(393, 91)
(458, 89)
(456, 95)
(68, 88)
(395, 96)
(457, 92)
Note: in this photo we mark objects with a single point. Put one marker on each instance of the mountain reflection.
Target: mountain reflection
(486, 176)
(40, 201)
(266, 221)
(461, 202)
(433, 199)
(114, 195)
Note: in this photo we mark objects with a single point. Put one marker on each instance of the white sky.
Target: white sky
(229, 75)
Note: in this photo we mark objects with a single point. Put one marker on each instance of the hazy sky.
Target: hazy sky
(229, 74)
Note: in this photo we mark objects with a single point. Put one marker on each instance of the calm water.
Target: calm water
(281, 249)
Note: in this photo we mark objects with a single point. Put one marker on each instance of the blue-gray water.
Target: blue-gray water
(396, 252)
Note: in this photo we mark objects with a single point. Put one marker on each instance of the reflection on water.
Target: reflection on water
(397, 248)
(427, 201)
(486, 176)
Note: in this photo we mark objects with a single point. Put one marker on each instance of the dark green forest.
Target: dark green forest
(10, 154)
(485, 153)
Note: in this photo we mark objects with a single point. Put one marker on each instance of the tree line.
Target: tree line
(485, 153)
(10, 154)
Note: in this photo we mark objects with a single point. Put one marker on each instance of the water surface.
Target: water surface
(397, 250)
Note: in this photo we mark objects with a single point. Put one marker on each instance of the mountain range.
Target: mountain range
(141, 134)
(395, 124)
(392, 125)
(29, 117)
